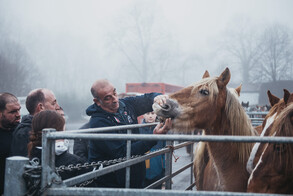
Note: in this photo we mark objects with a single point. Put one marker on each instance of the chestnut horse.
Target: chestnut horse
(278, 177)
(201, 155)
(274, 170)
(209, 105)
(277, 105)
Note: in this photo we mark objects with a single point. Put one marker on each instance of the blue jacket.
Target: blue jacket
(157, 164)
(129, 109)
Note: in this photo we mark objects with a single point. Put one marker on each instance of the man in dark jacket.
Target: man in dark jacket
(9, 119)
(108, 110)
(81, 146)
(37, 100)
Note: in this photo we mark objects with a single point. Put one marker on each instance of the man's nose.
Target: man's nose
(57, 106)
(18, 113)
(115, 99)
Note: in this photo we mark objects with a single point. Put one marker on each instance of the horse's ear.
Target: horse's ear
(224, 78)
(290, 99)
(206, 74)
(286, 95)
(238, 89)
(272, 98)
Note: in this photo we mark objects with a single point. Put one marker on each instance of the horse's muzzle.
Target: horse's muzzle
(168, 110)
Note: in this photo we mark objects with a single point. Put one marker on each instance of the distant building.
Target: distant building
(276, 88)
(256, 94)
(249, 93)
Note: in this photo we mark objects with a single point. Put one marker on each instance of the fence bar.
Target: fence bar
(191, 170)
(48, 157)
(194, 138)
(128, 155)
(168, 164)
(114, 128)
(135, 192)
(14, 182)
(190, 186)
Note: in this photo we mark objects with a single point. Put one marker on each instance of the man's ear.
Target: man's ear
(97, 101)
(40, 107)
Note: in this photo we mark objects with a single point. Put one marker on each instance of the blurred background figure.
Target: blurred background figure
(155, 167)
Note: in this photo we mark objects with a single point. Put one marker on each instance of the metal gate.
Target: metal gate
(52, 184)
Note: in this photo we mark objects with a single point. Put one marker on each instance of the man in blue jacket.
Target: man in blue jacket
(108, 110)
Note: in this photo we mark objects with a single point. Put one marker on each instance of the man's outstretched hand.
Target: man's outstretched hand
(163, 128)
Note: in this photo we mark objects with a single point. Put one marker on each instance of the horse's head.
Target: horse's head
(195, 106)
(274, 171)
(246, 105)
(277, 105)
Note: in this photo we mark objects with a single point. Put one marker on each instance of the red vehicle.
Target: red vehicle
(133, 89)
(151, 87)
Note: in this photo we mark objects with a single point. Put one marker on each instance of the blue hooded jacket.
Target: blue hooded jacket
(156, 164)
(129, 109)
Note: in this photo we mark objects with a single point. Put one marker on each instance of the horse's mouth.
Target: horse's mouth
(168, 110)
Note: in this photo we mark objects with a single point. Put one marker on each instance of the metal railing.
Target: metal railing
(257, 117)
(48, 162)
(49, 178)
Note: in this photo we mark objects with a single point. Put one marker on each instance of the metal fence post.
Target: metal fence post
(48, 157)
(168, 162)
(192, 157)
(14, 182)
(128, 155)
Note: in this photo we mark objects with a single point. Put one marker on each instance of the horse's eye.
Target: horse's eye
(280, 148)
(204, 92)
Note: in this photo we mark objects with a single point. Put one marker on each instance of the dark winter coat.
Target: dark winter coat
(63, 159)
(80, 147)
(129, 109)
(20, 138)
(5, 144)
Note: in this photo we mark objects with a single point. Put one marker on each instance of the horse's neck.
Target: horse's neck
(223, 152)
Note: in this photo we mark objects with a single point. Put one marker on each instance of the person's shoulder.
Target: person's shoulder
(68, 158)
(85, 126)
(26, 122)
(100, 121)
(22, 129)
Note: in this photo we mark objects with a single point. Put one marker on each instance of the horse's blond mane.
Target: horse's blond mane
(199, 163)
(240, 124)
(211, 85)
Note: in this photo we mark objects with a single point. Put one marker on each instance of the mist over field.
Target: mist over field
(66, 45)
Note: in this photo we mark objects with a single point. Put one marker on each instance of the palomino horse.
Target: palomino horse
(201, 155)
(209, 105)
(272, 171)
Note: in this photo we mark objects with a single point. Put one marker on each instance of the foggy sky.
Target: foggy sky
(68, 40)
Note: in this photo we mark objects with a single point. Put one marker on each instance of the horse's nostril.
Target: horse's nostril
(166, 107)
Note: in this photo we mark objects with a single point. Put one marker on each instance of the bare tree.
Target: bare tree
(276, 60)
(17, 72)
(143, 42)
(241, 44)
